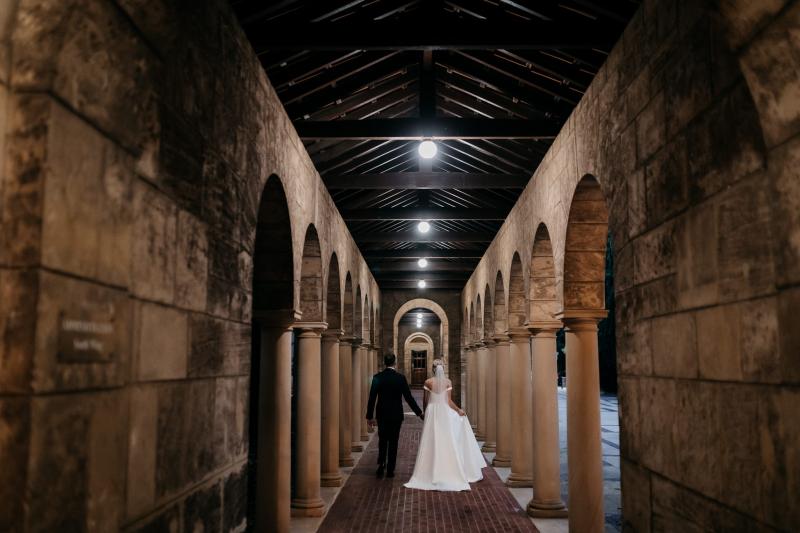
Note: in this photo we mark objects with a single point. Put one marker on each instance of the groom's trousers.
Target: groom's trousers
(388, 436)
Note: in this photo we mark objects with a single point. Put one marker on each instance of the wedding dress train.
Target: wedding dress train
(448, 458)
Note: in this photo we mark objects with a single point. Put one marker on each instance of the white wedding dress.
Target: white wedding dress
(448, 458)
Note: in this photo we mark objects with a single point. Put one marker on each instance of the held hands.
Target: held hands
(461, 412)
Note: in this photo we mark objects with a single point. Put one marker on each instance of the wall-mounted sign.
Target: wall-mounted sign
(86, 336)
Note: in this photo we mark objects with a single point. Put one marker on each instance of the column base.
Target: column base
(547, 509)
(480, 436)
(515, 480)
(333, 479)
(489, 447)
(357, 447)
(304, 507)
(346, 461)
(501, 462)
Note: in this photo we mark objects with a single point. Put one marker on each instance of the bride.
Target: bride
(448, 458)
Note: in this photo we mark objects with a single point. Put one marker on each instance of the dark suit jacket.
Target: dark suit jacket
(389, 387)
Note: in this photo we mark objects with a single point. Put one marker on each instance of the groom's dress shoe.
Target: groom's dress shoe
(379, 471)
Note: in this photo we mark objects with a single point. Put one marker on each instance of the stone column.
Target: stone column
(357, 413)
(306, 500)
(480, 434)
(345, 402)
(502, 456)
(469, 397)
(330, 475)
(365, 383)
(473, 385)
(521, 415)
(490, 398)
(546, 501)
(584, 451)
(371, 356)
(273, 475)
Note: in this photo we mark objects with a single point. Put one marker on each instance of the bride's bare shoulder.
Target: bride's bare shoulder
(429, 382)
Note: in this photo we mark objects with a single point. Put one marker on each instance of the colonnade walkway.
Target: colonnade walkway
(368, 504)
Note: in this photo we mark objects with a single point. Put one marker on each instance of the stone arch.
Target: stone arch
(347, 307)
(333, 301)
(488, 313)
(427, 338)
(269, 476)
(543, 295)
(472, 330)
(499, 315)
(357, 314)
(366, 322)
(478, 333)
(439, 311)
(516, 294)
(585, 248)
(311, 295)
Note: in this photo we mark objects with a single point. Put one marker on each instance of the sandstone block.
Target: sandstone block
(18, 290)
(87, 196)
(162, 339)
(771, 69)
(742, 17)
(15, 427)
(785, 169)
(674, 339)
(154, 252)
(635, 497)
(655, 253)
(718, 343)
(191, 263)
(651, 128)
(234, 496)
(687, 79)
(77, 458)
(82, 335)
(789, 334)
(142, 450)
(779, 457)
(658, 297)
(665, 182)
(697, 275)
(761, 355)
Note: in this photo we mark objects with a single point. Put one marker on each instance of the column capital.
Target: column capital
(488, 342)
(518, 334)
(277, 318)
(309, 329)
(332, 334)
(582, 319)
(501, 338)
(356, 341)
(543, 327)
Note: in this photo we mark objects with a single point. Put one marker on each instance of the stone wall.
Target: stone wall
(691, 129)
(450, 301)
(136, 140)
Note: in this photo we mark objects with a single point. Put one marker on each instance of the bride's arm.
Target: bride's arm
(453, 406)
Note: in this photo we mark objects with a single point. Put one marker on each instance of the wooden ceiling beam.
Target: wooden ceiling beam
(431, 33)
(440, 128)
(427, 180)
(430, 237)
(417, 253)
(422, 213)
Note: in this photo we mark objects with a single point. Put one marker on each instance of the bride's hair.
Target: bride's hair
(437, 362)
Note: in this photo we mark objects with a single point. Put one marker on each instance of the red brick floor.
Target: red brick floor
(369, 504)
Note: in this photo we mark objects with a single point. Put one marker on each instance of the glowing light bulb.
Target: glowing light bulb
(427, 149)
(421, 284)
(422, 263)
(419, 323)
(419, 316)
(423, 227)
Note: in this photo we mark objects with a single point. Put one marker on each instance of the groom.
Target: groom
(389, 388)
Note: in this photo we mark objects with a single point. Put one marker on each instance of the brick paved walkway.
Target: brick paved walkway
(368, 504)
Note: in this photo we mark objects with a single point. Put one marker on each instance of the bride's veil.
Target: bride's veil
(440, 382)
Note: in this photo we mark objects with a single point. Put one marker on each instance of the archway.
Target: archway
(437, 309)
(583, 298)
(419, 349)
(269, 453)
